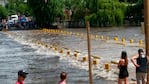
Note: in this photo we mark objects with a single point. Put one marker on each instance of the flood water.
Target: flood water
(17, 51)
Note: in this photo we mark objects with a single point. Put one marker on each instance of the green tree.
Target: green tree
(108, 12)
(11, 7)
(132, 1)
(24, 9)
(46, 12)
(79, 9)
(134, 12)
(18, 6)
(3, 12)
(102, 12)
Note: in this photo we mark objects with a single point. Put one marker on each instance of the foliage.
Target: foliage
(78, 10)
(101, 12)
(18, 6)
(134, 12)
(109, 12)
(129, 1)
(46, 12)
(24, 9)
(11, 7)
(3, 12)
(87, 18)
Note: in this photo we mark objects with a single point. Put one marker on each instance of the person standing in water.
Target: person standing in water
(140, 61)
(21, 77)
(122, 65)
(63, 77)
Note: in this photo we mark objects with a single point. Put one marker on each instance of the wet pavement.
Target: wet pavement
(44, 65)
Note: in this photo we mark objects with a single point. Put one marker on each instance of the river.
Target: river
(18, 51)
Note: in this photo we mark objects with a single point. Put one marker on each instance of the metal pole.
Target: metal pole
(146, 25)
(89, 52)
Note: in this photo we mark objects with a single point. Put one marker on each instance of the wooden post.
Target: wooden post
(146, 25)
(89, 52)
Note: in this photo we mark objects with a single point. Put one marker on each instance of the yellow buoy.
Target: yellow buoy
(71, 33)
(96, 36)
(140, 42)
(75, 55)
(68, 52)
(84, 59)
(77, 34)
(95, 61)
(55, 48)
(61, 51)
(131, 41)
(115, 38)
(123, 40)
(107, 66)
(46, 46)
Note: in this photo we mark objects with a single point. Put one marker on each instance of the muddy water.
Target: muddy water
(44, 65)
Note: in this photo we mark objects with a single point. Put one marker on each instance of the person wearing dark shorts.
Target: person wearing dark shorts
(122, 65)
(140, 61)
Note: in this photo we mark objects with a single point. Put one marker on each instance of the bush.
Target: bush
(110, 12)
(3, 12)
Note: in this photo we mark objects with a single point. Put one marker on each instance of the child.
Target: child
(122, 65)
(21, 77)
(63, 77)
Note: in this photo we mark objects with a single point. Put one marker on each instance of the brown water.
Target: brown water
(45, 65)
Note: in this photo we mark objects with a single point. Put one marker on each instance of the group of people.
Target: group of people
(140, 61)
(22, 75)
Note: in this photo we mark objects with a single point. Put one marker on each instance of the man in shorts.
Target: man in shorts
(140, 61)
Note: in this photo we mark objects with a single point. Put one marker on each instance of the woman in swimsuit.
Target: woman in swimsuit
(122, 65)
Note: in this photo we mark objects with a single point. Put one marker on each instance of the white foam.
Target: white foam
(72, 61)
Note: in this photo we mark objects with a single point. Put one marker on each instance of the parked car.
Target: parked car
(15, 18)
(10, 23)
